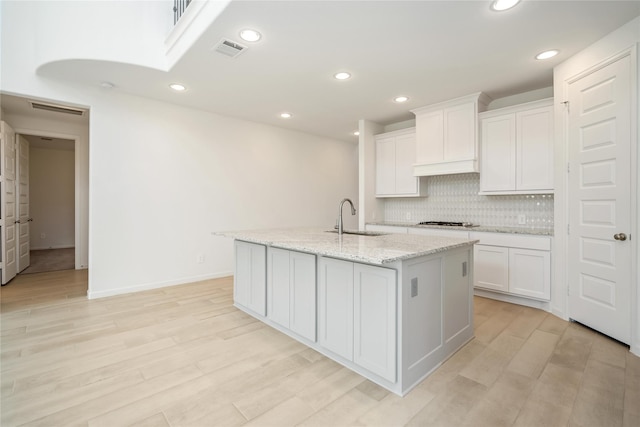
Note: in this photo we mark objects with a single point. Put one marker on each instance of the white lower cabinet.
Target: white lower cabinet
(335, 306)
(530, 273)
(374, 324)
(249, 288)
(393, 325)
(491, 267)
(519, 265)
(291, 291)
(357, 314)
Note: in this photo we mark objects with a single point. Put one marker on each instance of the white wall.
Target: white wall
(165, 177)
(52, 198)
(162, 177)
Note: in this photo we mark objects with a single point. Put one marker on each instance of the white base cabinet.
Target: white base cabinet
(530, 273)
(357, 314)
(492, 267)
(291, 291)
(335, 306)
(394, 325)
(513, 264)
(250, 280)
(374, 320)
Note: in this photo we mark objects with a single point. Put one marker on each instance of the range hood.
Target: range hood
(447, 136)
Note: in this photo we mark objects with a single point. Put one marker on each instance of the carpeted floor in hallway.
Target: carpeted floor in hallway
(51, 260)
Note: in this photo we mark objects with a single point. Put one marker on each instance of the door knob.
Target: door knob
(620, 236)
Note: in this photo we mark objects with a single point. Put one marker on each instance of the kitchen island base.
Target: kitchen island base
(393, 323)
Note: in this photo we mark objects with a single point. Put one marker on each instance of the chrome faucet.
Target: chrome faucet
(339, 226)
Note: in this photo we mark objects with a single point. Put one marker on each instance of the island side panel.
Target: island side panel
(458, 300)
(436, 295)
(422, 317)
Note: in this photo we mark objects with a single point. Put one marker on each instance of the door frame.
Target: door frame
(81, 239)
(562, 81)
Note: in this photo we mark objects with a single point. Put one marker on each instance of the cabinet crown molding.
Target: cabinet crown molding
(546, 102)
(480, 97)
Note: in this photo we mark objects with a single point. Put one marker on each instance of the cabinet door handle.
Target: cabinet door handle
(620, 236)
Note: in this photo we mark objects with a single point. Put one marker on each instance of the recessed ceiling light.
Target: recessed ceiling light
(285, 115)
(249, 35)
(547, 54)
(342, 75)
(500, 5)
(400, 99)
(107, 85)
(356, 133)
(177, 87)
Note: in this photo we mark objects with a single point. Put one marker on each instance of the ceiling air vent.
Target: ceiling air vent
(56, 108)
(229, 48)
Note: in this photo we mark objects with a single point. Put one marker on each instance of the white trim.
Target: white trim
(156, 285)
(78, 243)
(514, 299)
(568, 72)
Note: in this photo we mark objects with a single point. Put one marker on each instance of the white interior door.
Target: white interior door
(599, 200)
(24, 221)
(8, 204)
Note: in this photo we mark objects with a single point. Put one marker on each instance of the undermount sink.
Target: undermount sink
(360, 233)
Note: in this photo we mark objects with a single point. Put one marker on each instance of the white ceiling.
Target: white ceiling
(429, 51)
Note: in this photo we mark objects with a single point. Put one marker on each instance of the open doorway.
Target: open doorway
(51, 204)
(63, 131)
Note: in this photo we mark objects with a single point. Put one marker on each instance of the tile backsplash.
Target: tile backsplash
(456, 198)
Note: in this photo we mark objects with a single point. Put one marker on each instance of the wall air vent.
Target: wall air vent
(56, 108)
(229, 48)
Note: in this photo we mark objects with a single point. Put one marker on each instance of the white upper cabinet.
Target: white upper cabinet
(395, 156)
(447, 136)
(517, 149)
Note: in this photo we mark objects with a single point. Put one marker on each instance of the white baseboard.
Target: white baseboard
(155, 285)
(514, 299)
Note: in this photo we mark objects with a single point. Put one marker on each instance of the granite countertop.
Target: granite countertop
(483, 228)
(379, 250)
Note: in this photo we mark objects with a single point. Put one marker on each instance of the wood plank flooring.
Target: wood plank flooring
(184, 356)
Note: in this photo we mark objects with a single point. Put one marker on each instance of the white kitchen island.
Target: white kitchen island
(391, 307)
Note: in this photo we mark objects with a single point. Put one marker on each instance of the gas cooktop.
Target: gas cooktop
(448, 223)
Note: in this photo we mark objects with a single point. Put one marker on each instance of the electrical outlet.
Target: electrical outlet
(408, 216)
(414, 287)
(200, 259)
(522, 219)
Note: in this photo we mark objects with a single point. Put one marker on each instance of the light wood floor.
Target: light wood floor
(185, 356)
